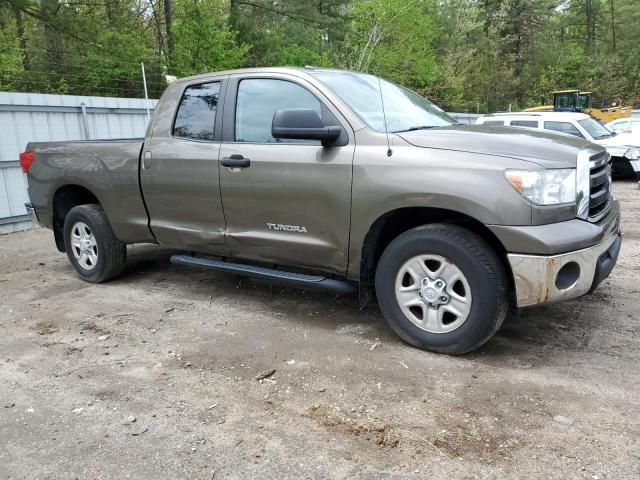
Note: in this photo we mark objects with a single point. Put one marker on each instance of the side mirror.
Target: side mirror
(303, 124)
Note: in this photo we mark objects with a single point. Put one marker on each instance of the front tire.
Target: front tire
(442, 288)
(92, 247)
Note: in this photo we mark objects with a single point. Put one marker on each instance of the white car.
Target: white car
(625, 125)
(624, 148)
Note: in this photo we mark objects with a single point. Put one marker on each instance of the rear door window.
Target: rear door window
(524, 123)
(620, 127)
(196, 115)
(563, 127)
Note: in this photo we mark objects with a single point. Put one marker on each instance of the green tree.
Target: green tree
(395, 39)
(10, 54)
(203, 41)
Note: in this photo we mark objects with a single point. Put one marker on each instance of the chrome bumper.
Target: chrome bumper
(543, 279)
(32, 213)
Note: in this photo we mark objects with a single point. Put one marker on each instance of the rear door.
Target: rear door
(179, 174)
(291, 204)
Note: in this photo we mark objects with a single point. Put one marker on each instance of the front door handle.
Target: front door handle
(236, 161)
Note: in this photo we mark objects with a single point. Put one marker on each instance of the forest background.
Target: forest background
(465, 55)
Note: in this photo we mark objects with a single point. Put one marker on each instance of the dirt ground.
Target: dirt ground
(153, 376)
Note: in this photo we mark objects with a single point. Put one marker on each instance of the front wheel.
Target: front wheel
(442, 288)
(92, 247)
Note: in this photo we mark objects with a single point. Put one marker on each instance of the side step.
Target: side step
(302, 280)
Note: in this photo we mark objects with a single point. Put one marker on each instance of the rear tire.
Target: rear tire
(442, 288)
(92, 247)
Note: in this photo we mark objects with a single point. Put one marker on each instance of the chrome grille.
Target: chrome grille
(600, 198)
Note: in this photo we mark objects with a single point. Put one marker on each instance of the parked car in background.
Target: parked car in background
(624, 148)
(625, 125)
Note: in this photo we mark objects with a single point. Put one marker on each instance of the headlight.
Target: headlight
(633, 153)
(545, 187)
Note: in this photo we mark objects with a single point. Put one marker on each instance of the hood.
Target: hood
(618, 145)
(626, 138)
(547, 149)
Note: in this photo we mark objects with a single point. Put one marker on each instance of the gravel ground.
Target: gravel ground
(154, 376)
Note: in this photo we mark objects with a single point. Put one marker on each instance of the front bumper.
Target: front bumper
(622, 167)
(543, 279)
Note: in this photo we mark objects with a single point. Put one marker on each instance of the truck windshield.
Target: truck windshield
(404, 109)
(594, 129)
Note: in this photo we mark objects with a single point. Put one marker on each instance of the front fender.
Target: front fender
(472, 185)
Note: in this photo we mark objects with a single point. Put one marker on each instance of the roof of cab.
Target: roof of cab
(571, 90)
(290, 70)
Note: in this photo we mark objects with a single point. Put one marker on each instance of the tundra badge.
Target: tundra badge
(286, 228)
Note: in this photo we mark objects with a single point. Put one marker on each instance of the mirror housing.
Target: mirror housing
(303, 124)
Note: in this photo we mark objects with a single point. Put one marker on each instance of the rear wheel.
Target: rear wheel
(92, 247)
(442, 288)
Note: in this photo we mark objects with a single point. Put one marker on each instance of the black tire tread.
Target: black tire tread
(114, 251)
(488, 261)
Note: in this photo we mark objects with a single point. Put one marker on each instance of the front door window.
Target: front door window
(259, 99)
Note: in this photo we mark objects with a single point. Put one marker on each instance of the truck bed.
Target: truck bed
(106, 168)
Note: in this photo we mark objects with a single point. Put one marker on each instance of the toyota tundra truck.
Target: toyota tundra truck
(341, 180)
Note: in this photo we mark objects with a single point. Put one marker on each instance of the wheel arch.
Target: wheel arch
(395, 222)
(63, 200)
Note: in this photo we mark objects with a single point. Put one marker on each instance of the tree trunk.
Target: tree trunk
(234, 14)
(591, 26)
(53, 37)
(23, 43)
(168, 18)
(111, 7)
(613, 24)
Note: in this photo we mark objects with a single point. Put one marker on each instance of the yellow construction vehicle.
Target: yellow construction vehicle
(578, 101)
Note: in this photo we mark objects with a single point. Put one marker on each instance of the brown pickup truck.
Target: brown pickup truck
(340, 180)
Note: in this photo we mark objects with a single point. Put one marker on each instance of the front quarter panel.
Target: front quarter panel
(467, 183)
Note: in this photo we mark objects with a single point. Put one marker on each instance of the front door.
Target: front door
(179, 174)
(286, 202)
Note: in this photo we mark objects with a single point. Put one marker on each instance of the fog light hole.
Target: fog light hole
(568, 276)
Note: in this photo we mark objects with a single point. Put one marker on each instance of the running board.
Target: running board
(302, 280)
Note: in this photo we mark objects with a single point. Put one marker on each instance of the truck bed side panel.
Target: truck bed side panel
(107, 169)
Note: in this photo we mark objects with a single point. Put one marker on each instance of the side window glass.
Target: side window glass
(562, 127)
(621, 127)
(494, 122)
(524, 123)
(259, 99)
(197, 112)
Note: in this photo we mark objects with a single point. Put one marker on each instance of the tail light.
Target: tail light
(26, 160)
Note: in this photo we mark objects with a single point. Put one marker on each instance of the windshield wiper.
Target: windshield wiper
(413, 129)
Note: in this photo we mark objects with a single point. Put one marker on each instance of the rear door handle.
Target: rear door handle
(236, 161)
(146, 161)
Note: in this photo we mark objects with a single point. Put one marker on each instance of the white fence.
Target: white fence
(28, 117)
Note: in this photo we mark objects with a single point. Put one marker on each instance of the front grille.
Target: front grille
(600, 198)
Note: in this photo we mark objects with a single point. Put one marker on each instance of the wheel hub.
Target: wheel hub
(433, 292)
(85, 244)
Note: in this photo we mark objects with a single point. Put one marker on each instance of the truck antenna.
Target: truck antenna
(384, 116)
